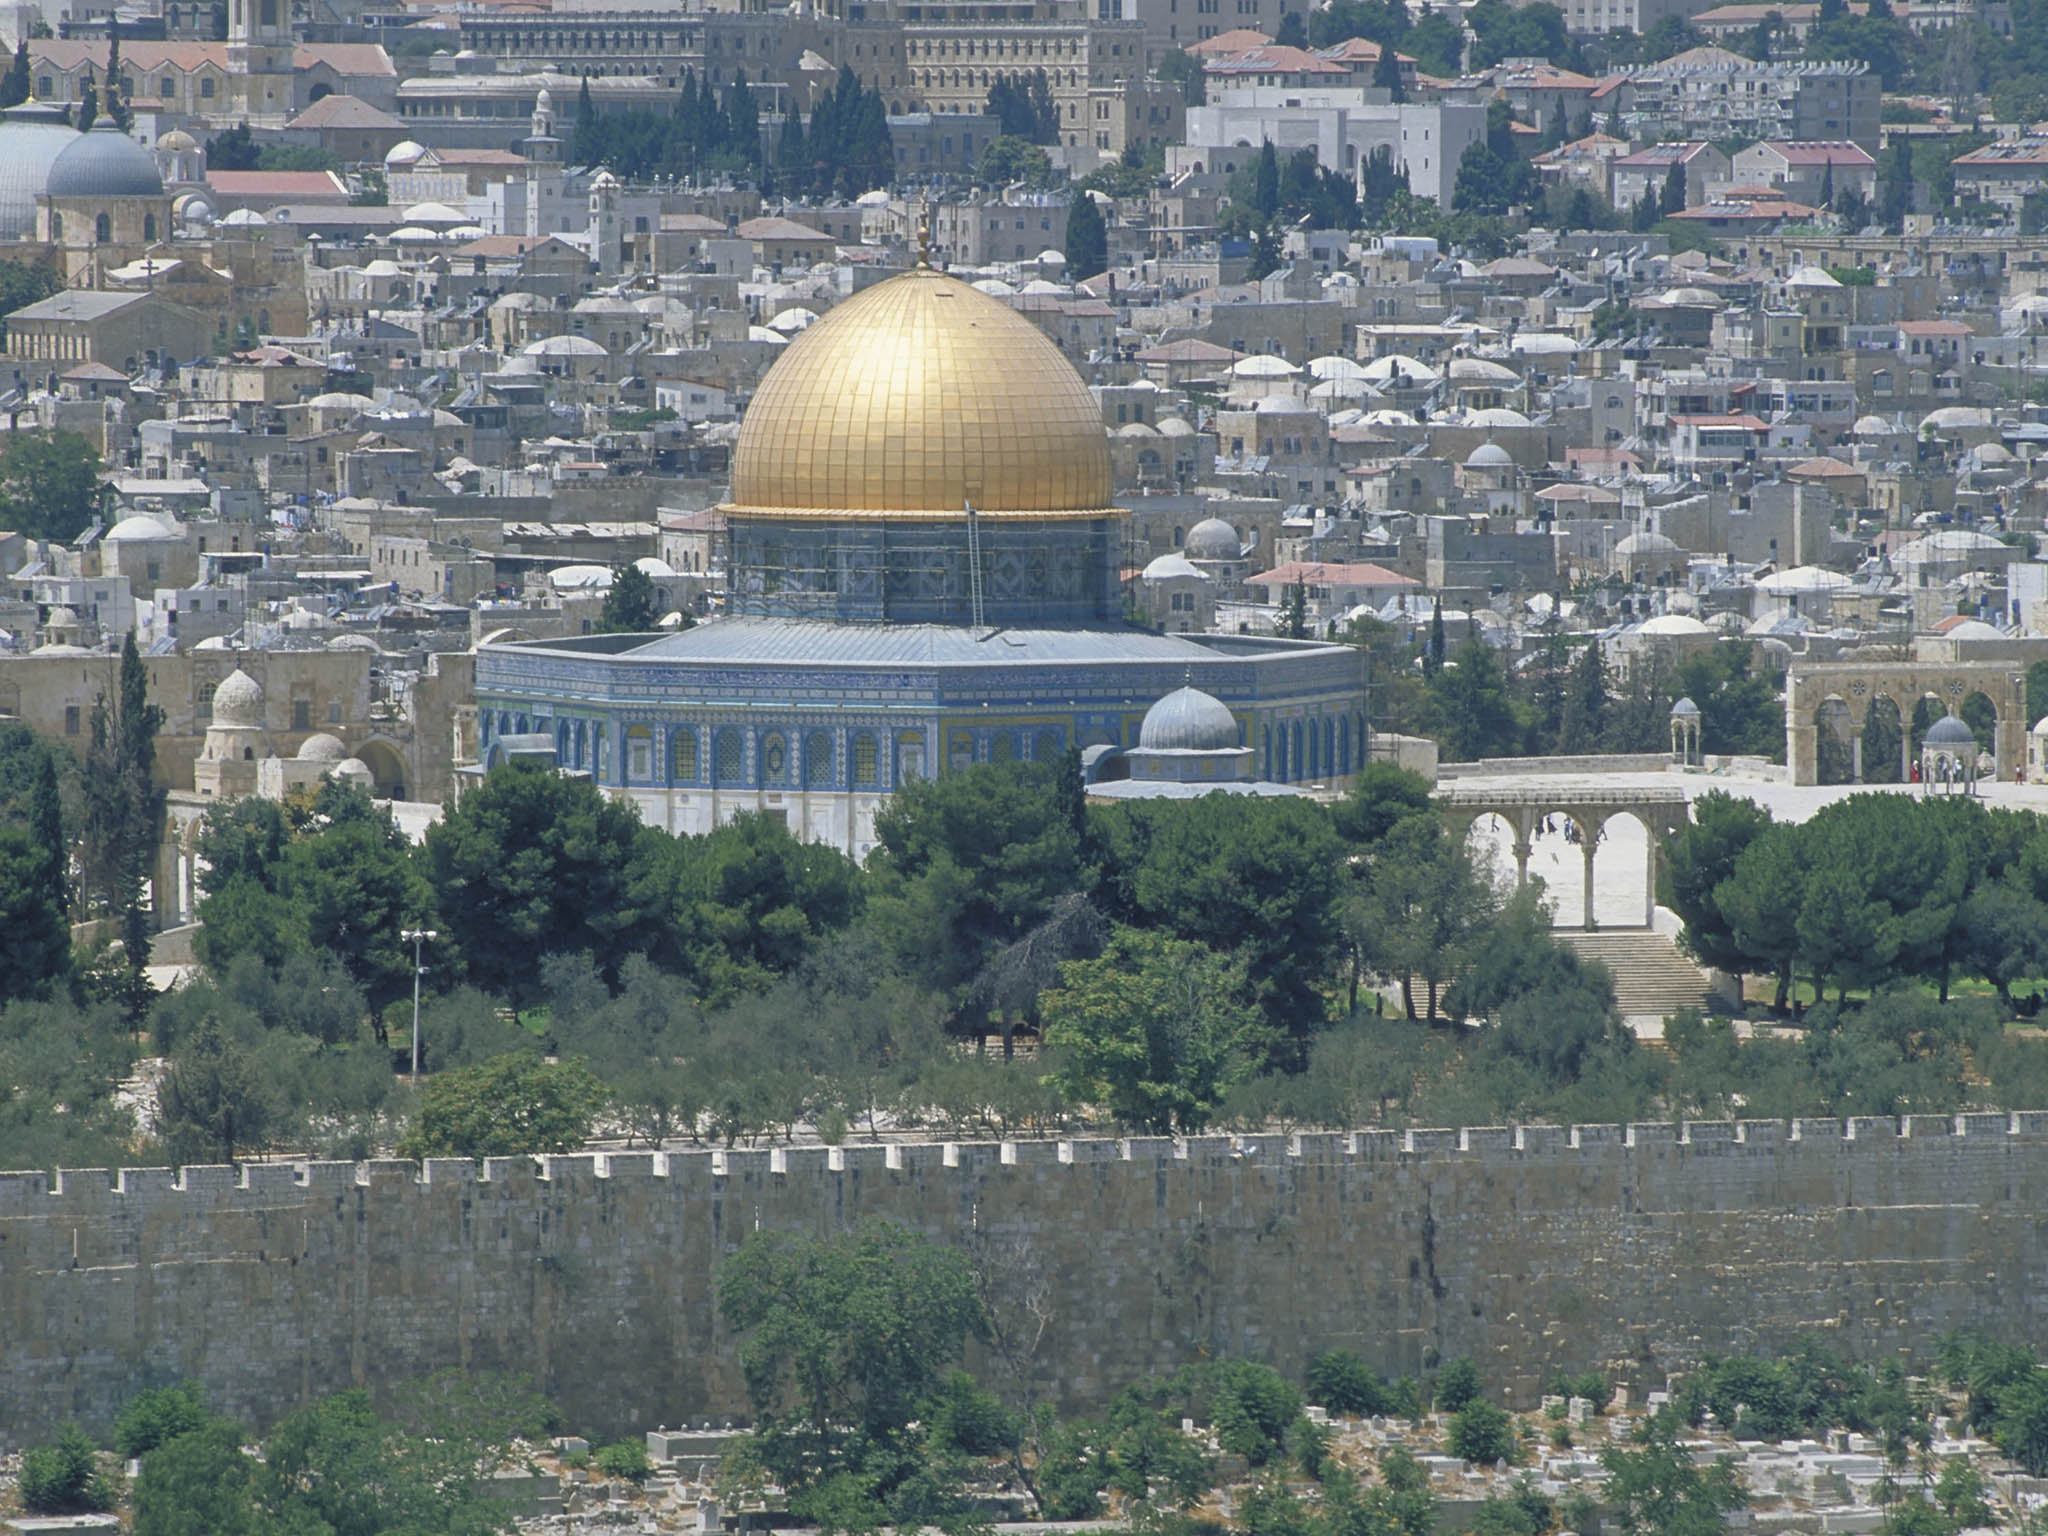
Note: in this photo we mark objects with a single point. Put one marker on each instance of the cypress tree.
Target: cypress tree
(1087, 239)
(15, 88)
(46, 832)
(117, 105)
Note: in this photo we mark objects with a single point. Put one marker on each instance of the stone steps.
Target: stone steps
(1652, 976)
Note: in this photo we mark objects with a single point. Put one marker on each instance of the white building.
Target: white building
(1340, 125)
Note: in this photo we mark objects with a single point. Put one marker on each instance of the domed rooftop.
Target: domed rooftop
(1489, 456)
(1212, 539)
(1950, 731)
(238, 701)
(1674, 625)
(32, 136)
(138, 529)
(1647, 543)
(1685, 708)
(916, 397)
(322, 748)
(404, 152)
(105, 163)
(1188, 720)
(177, 141)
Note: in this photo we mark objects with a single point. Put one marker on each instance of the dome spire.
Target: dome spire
(924, 230)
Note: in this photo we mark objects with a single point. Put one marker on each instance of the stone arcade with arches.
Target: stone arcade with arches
(1588, 808)
(1861, 684)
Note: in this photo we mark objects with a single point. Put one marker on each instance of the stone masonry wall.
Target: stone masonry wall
(1632, 1249)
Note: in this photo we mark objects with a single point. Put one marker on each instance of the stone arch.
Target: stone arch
(387, 767)
(1834, 733)
(1546, 821)
(2003, 686)
(1882, 746)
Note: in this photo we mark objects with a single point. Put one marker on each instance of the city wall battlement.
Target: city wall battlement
(1630, 1248)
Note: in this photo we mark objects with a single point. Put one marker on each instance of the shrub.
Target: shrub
(970, 1419)
(158, 1415)
(1482, 1434)
(1251, 1407)
(1341, 1382)
(624, 1459)
(65, 1478)
(1458, 1385)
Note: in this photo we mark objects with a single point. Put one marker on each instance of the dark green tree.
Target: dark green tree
(64, 1477)
(531, 863)
(124, 805)
(847, 1344)
(49, 484)
(631, 605)
(234, 149)
(117, 97)
(1294, 612)
(1266, 182)
(17, 87)
(1697, 860)
(1156, 1031)
(1087, 238)
(512, 1104)
(1386, 74)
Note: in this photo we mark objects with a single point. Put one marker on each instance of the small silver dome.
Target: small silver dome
(1684, 709)
(1950, 731)
(32, 137)
(105, 163)
(1188, 720)
(1212, 539)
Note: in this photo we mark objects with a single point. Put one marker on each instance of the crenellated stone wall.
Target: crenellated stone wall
(1632, 1249)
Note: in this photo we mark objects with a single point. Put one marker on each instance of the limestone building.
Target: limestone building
(924, 574)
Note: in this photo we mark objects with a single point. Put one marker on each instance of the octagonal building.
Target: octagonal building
(923, 572)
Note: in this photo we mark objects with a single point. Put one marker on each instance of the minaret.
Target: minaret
(543, 153)
(260, 60)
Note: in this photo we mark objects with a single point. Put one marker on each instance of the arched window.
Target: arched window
(639, 755)
(1049, 746)
(866, 762)
(726, 763)
(909, 757)
(269, 13)
(817, 759)
(682, 756)
(56, 226)
(1002, 748)
(149, 226)
(1294, 750)
(103, 230)
(774, 759)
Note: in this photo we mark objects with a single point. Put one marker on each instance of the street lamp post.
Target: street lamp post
(417, 937)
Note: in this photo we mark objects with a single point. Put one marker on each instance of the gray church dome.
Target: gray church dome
(1188, 720)
(105, 163)
(32, 136)
(1950, 731)
(1212, 539)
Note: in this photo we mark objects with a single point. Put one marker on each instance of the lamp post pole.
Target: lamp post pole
(418, 936)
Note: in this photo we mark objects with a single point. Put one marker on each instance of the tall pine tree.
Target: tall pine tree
(15, 87)
(124, 808)
(117, 100)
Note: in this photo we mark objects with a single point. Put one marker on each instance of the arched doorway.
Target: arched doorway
(386, 767)
(1883, 742)
(1834, 748)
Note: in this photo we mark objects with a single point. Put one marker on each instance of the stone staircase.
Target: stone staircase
(1652, 977)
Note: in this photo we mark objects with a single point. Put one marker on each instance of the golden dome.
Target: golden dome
(914, 398)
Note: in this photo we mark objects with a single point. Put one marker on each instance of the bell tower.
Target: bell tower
(260, 60)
